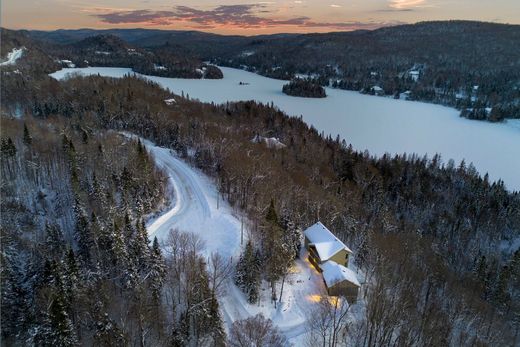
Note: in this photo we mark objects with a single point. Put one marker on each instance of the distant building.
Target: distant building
(377, 90)
(330, 256)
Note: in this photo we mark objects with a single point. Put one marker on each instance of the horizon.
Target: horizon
(248, 18)
(249, 35)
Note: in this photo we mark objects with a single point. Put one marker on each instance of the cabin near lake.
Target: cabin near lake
(330, 257)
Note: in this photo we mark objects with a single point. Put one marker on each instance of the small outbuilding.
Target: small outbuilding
(340, 281)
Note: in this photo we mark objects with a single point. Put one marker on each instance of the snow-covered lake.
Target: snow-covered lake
(379, 125)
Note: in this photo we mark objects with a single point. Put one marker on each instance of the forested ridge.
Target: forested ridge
(471, 65)
(106, 50)
(431, 237)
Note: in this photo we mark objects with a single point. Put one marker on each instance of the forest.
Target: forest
(431, 236)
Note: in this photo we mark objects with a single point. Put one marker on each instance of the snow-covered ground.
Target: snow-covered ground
(13, 56)
(380, 125)
(194, 209)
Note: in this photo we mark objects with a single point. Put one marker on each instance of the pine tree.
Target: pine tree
(62, 330)
(216, 328)
(83, 235)
(54, 242)
(157, 270)
(57, 328)
(14, 295)
(27, 138)
(140, 248)
(7, 148)
(247, 275)
(271, 215)
(501, 296)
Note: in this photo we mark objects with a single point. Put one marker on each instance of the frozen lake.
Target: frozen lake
(379, 125)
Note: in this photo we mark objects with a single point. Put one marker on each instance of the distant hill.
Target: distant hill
(474, 66)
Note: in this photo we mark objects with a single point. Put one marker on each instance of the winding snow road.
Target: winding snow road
(194, 209)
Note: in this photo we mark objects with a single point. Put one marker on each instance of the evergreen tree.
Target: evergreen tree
(247, 275)
(157, 270)
(83, 235)
(501, 295)
(27, 138)
(54, 242)
(272, 216)
(14, 295)
(62, 331)
(7, 148)
(140, 248)
(216, 328)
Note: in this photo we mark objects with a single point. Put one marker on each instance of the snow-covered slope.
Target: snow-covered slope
(194, 209)
(13, 56)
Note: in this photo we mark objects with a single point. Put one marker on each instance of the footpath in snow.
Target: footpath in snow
(194, 209)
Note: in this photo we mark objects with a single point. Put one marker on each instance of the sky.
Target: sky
(248, 17)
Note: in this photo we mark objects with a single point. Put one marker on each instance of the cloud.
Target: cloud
(238, 16)
(335, 6)
(405, 4)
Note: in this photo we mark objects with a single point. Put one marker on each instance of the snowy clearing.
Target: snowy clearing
(194, 209)
(379, 125)
(13, 56)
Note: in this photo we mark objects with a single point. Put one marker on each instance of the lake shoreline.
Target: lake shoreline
(376, 124)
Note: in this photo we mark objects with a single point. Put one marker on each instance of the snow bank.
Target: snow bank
(13, 56)
(270, 142)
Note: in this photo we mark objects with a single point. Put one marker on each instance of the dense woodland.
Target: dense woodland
(439, 62)
(431, 237)
(304, 88)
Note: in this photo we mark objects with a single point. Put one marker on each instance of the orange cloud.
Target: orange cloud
(226, 16)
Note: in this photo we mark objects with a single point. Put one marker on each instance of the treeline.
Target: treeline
(420, 228)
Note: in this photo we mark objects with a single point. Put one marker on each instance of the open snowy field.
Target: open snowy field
(379, 125)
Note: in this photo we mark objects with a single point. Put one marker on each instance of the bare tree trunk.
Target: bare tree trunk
(281, 290)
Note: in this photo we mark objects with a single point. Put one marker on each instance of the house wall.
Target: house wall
(341, 258)
(345, 289)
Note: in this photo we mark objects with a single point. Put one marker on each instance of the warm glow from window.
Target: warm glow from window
(314, 298)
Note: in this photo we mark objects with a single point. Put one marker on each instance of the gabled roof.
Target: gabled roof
(324, 240)
(333, 273)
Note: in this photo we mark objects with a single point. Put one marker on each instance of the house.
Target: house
(323, 245)
(330, 256)
(340, 281)
(377, 90)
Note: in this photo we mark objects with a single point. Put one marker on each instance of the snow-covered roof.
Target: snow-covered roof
(324, 240)
(334, 273)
